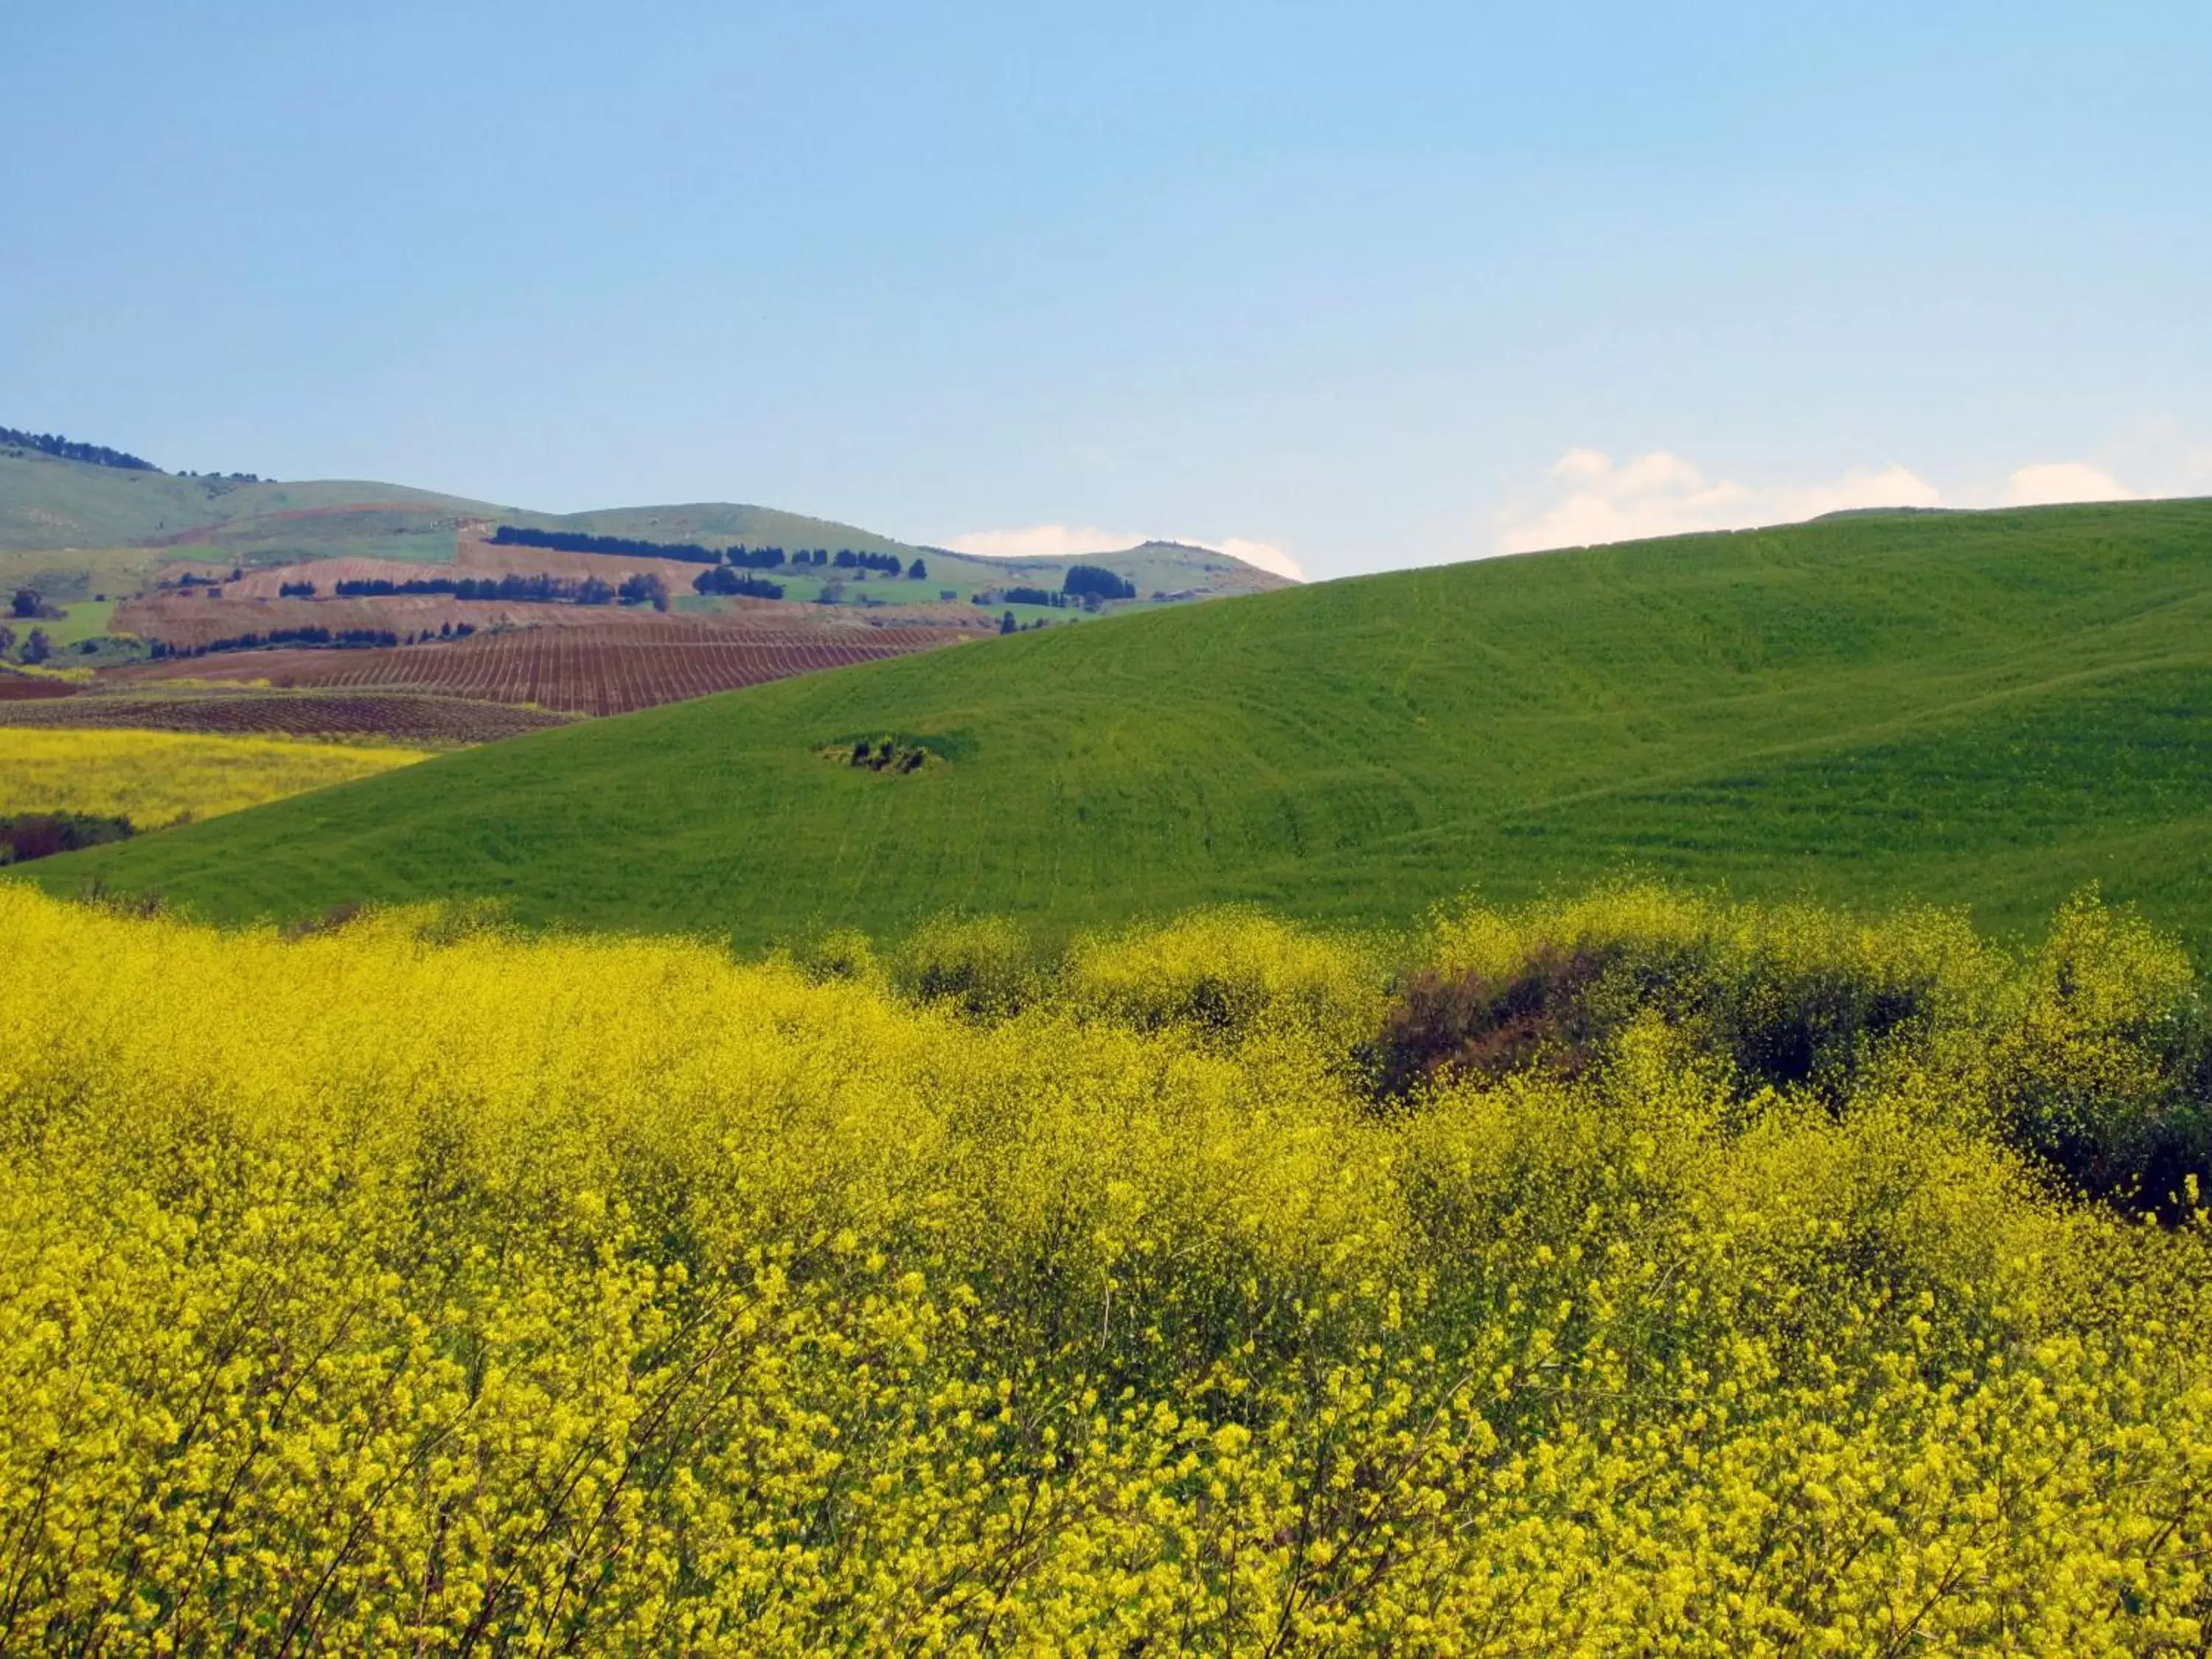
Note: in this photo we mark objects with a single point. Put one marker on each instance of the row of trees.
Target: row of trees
(51, 443)
(727, 580)
(337, 638)
(354, 638)
(644, 587)
(573, 541)
(740, 555)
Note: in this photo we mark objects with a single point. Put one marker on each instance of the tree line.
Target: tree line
(645, 587)
(350, 638)
(1086, 584)
(727, 580)
(740, 556)
(575, 541)
(50, 443)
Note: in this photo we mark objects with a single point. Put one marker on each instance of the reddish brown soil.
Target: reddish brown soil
(29, 688)
(401, 717)
(608, 670)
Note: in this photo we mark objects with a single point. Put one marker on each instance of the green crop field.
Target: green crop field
(1986, 710)
(84, 620)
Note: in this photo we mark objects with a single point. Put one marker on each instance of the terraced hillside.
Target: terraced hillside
(1988, 709)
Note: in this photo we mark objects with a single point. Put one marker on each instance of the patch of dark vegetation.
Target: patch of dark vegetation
(955, 746)
(27, 836)
(888, 563)
(516, 589)
(344, 639)
(1095, 581)
(27, 605)
(573, 541)
(723, 580)
(1044, 596)
(64, 449)
(1538, 1017)
(888, 754)
(1775, 1022)
(642, 588)
(2094, 1056)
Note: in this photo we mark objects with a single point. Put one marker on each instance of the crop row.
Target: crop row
(588, 670)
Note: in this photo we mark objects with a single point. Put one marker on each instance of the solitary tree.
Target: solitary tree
(1006, 623)
(917, 572)
(36, 647)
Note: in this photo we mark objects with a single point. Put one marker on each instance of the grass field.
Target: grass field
(1983, 709)
(1698, 1288)
(158, 778)
(82, 619)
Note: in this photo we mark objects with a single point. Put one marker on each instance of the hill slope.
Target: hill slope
(72, 526)
(1986, 708)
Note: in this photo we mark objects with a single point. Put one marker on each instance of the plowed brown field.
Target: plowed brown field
(578, 670)
(401, 716)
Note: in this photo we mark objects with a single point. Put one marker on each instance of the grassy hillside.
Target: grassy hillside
(1983, 708)
(46, 503)
(71, 528)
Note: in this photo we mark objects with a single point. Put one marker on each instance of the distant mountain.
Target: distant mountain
(57, 504)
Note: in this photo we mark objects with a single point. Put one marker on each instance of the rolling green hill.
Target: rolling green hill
(1980, 709)
(50, 504)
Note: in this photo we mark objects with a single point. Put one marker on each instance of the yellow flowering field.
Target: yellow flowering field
(156, 778)
(1633, 1275)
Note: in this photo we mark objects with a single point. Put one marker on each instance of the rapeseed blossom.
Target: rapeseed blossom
(158, 778)
(417, 1284)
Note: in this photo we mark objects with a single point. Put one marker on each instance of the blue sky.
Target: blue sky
(1368, 285)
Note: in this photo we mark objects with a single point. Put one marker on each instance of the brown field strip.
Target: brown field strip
(397, 716)
(608, 670)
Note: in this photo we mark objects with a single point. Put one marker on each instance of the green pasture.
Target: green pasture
(86, 619)
(1987, 709)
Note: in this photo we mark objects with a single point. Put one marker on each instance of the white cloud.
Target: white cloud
(2055, 482)
(1042, 541)
(1060, 541)
(1594, 499)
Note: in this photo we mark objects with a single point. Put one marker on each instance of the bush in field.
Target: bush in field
(984, 966)
(412, 1285)
(27, 836)
(1791, 996)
